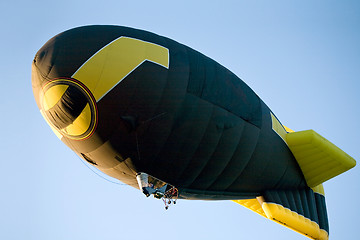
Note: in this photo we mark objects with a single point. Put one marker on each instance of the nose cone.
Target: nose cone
(74, 70)
(69, 107)
(65, 103)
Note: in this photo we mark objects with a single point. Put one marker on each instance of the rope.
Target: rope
(100, 175)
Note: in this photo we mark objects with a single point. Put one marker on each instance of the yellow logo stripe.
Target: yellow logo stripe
(110, 65)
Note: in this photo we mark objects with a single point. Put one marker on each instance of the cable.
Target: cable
(100, 175)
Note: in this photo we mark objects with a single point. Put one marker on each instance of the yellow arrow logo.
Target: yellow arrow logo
(111, 64)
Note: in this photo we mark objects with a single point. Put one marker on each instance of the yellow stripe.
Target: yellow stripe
(115, 61)
(278, 127)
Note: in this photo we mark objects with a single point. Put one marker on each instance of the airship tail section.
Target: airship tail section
(318, 158)
(303, 211)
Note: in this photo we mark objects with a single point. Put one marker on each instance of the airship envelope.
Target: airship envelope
(166, 119)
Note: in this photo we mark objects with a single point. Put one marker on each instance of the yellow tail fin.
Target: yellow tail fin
(303, 210)
(318, 158)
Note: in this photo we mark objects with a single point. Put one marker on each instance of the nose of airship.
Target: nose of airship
(69, 107)
(76, 69)
(66, 104)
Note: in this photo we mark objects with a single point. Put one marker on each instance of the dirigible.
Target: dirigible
(168, 120)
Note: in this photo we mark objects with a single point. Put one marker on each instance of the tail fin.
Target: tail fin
(318, 158)
(303, 211)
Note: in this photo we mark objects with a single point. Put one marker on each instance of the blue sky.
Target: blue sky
(301, 57)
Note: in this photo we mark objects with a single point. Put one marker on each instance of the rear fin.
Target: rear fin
(253, 205)
(318, 158)
(303, 211)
